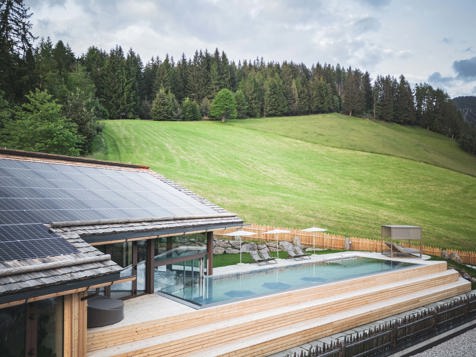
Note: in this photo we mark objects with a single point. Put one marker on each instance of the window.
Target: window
(35, 328)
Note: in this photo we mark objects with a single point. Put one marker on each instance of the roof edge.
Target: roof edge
(135, 220)
(57, 157)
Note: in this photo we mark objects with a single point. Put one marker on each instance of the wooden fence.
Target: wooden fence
(333, 241)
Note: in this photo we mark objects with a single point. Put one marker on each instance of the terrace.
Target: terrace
(269, 324)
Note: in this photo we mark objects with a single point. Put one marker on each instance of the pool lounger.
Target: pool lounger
(402, 250)
(261, 260)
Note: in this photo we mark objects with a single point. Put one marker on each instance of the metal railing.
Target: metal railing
(386, 338)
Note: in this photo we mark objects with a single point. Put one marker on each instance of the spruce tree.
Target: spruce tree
(16, 49)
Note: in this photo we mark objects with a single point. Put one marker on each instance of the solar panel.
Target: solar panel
(25, 241)
(36, 193)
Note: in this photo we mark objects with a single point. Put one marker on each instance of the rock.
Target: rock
(261, 246)
(286, 245)
(347, 244)
(297, 241)
(246, 247)
(455, 257)
(235, 244)
(218, 250)
(222, 243)
(232, 251)
(466, 276)
(445, 255)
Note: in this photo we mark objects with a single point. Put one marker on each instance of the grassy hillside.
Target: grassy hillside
(348, 177)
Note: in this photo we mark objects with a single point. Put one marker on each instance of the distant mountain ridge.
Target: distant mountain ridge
(467, 107)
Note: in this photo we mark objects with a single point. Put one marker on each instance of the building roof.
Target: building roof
(52, 206)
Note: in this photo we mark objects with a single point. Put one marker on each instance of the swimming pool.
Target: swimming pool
(235, 287)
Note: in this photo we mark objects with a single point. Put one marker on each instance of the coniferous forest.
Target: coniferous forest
(51, 98)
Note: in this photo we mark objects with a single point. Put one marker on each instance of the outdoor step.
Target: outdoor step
(303, 332)
(107, 337)
(273, 318)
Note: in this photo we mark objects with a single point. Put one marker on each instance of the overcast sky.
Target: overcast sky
(430, 41)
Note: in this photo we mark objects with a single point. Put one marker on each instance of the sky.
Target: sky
(428, 41)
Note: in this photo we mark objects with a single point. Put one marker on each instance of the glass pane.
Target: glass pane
(47, 315)
(12, 331)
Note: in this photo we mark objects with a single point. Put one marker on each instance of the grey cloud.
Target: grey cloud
(367, 24)
(437, 78)
(377, 3)
(35, 3)
(466, 69)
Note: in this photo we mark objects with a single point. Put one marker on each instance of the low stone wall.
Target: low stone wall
(222, 246)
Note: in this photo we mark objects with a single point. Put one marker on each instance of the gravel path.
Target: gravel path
(463, 345)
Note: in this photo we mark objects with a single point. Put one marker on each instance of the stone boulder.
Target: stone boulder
(456, 258)
(286, 245)
(246, 247)
(235, 244)
(218, 250)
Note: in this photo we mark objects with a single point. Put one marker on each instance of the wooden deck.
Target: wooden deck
(277, 322)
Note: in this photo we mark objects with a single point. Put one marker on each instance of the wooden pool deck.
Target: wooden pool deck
(156, 326)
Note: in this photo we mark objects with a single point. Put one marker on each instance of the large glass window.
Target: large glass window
(131, 256)
(35, 328)
(177, 260)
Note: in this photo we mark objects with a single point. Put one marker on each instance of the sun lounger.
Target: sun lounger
(297, 253)
(402, 250)
(265, 254)
(260, 260)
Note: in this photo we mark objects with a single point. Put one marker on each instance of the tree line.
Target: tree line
(75, 91)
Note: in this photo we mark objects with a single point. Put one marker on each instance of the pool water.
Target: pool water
(234, 287)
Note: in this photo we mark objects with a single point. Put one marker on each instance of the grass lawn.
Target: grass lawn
(221, 260)
(313, 171)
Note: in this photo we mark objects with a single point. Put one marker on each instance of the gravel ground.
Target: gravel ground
(463, 345)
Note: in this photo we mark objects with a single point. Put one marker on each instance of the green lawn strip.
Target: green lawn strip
(268, 178)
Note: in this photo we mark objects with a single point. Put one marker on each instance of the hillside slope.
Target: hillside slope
(275, 171)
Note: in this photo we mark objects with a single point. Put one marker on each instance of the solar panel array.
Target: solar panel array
(37, 193)
(25, 241)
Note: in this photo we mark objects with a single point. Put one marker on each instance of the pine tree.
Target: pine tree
(41, 126)
(241, 104)
(165, 106)
(405, 106)
(16, 49)
(275, 103)
(190, 110)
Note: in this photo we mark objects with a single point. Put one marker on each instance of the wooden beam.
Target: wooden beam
(149, 268)
(210, 253)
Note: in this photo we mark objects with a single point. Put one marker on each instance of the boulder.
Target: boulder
(218, 250)
(297, 241)
(455, 257)
(222, 243)
(235, 244)
(246, 247)
(232, 251)
(286, 245)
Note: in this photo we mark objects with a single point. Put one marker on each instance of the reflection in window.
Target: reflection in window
(36, 328)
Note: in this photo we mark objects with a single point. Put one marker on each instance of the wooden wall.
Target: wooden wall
(75, 325)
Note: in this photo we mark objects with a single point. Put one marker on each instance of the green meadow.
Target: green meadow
(346, 174)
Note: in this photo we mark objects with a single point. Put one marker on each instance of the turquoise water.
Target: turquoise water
(222, 289)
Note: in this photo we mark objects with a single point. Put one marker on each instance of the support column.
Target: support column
(149, 267)
(210, 253)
